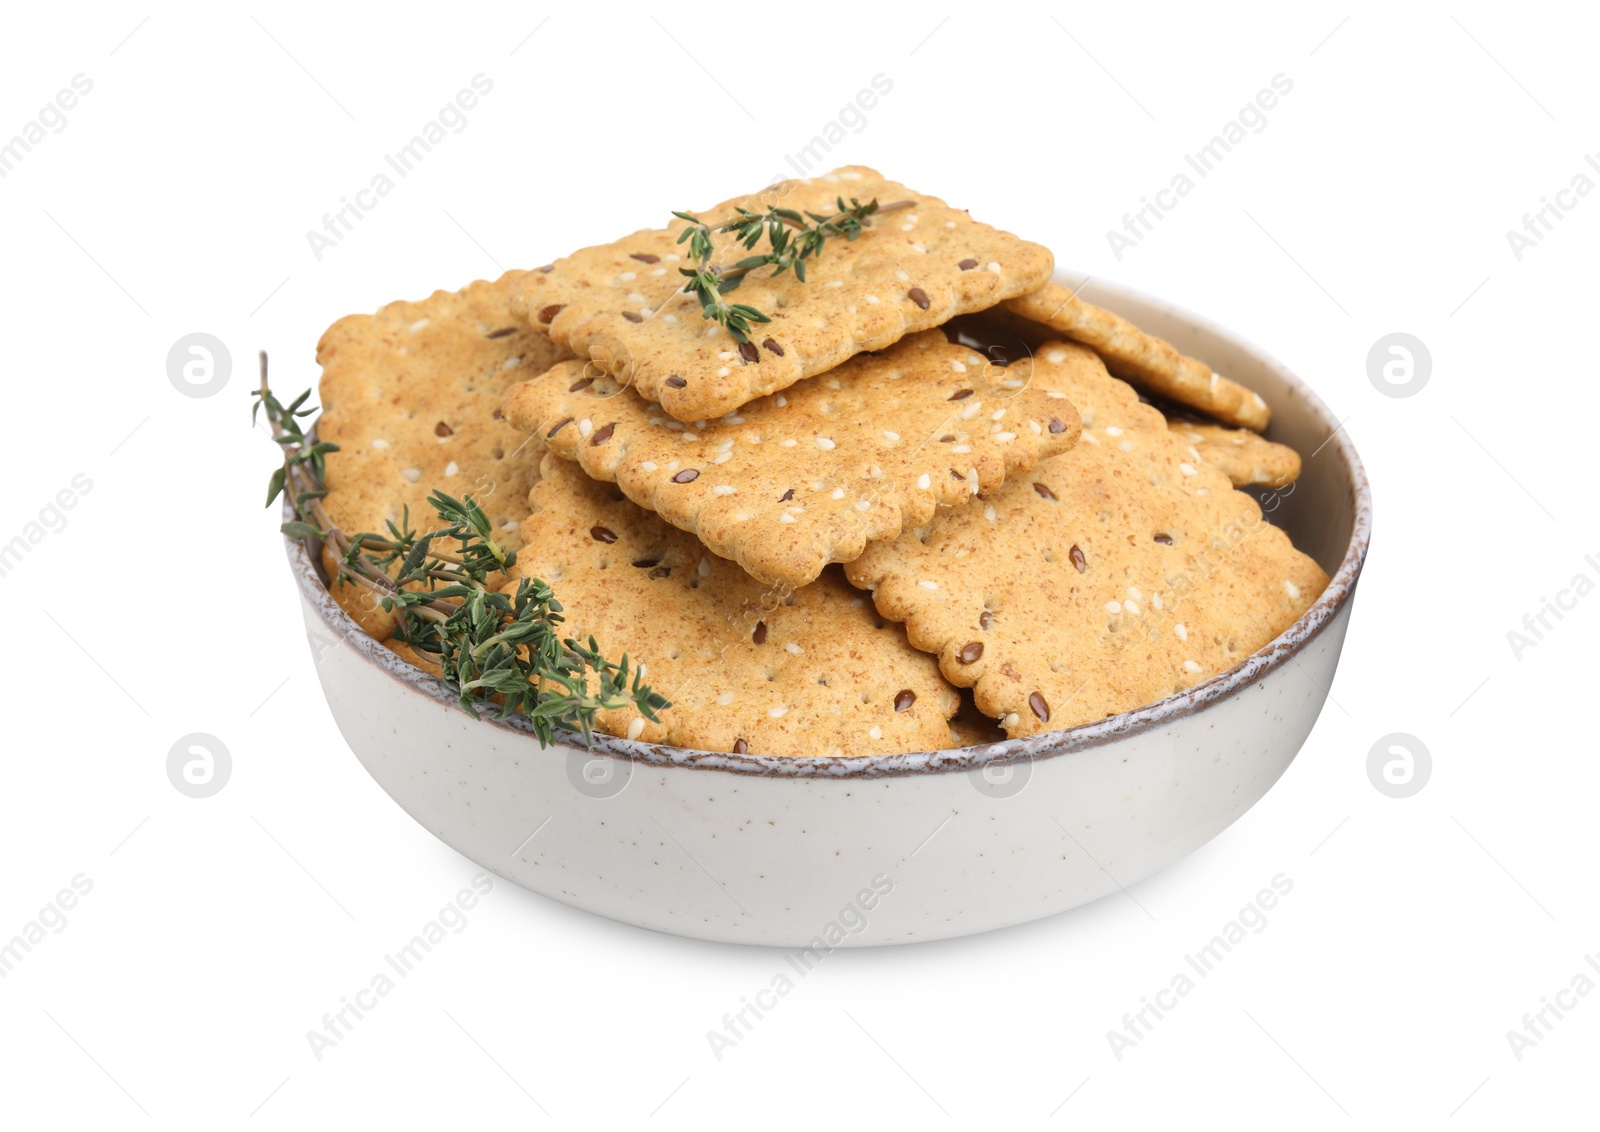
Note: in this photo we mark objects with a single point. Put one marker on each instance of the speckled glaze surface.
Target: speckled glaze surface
(892, 849)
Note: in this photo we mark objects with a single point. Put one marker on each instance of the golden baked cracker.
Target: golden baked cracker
(1108, 578)
(621, 304)
(798, 479)
(1149, 362)
(411, 395)
(797, 673)
(1246, 458)
(969, 727)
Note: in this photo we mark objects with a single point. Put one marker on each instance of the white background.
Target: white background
(219, 931)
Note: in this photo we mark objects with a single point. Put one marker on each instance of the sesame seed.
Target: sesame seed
(1125, 446)
(958, 367)
(920, 248)
(722, 457)
(1056, 357)
(727, 355)
(1005, 436)
(875, 733)
(791, 647)
(722, 489)
(989, 513)
(412, 474)
(972, 410)
(1292, 589)
(648, 466)
(1033, 426)
(636, 727)
(790, 443)
(872, 298)
(785, 517)
(838, 493)
(924, 482)
(1132, 607)
(451, 468)
(725, 699)
(902, 276)
(961, 448)
(1095, 440)
(890, 435)
(778, 712)
(418, 325)
(723, 371)
(585, 427)
(1191, 666)
(626, 277)
(994, 267)
(1113, 430)
(1181, 631)
(972, 481)
(380, 443)
(907, 227)
(705, 567)
(1113, 607)
(824, 443)
(780, 400)
(669, 318)
(927, 585)
(997, 414)
(1187, 469)
(863, 505)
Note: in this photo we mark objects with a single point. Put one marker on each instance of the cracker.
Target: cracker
(621, 305)
(1246, 458)
(799, 673)
(1108, 578)
(1149, 362)
(798, 479)
(411, 395)
(969, 727)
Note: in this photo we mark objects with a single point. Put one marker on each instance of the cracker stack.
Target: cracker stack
(813, 538)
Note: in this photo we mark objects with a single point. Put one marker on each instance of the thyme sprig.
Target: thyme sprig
(489, 645)
(790, 242)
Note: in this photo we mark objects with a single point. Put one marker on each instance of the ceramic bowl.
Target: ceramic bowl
(823, 852)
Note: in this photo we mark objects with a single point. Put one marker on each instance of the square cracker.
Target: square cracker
(796, 480)
(411, 395)
(799, 673)
(1247, 458)
(622, 305)
(1110, 577)
(1147, 361)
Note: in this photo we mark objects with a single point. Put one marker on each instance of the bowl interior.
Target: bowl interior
(1327, 513)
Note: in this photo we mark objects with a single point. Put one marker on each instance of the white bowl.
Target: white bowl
(831, 852)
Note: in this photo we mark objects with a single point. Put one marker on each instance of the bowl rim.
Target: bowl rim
(305, 564)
